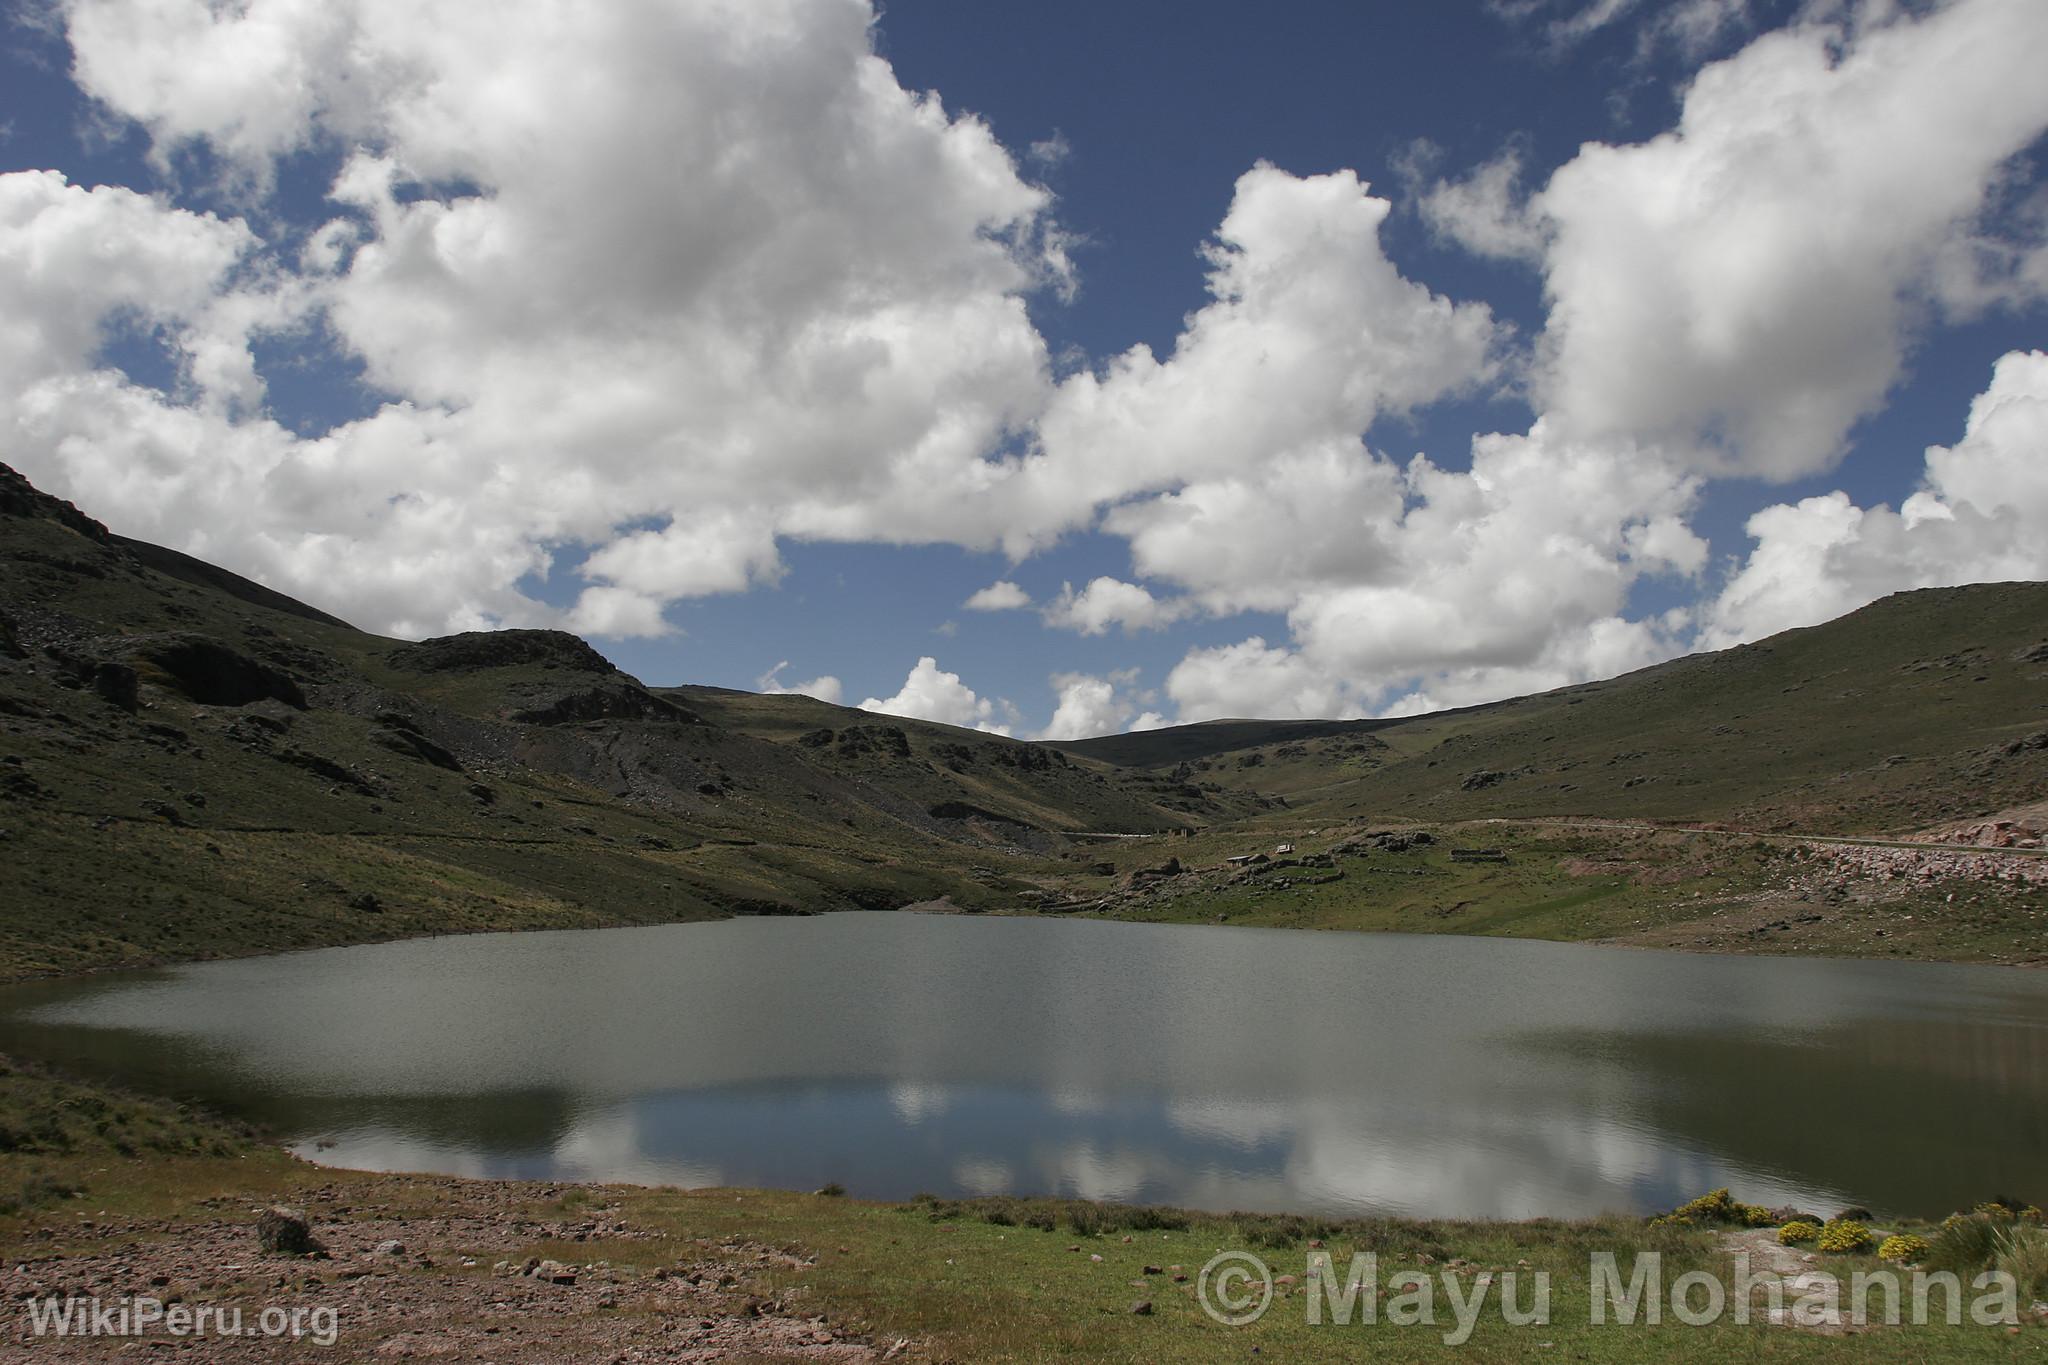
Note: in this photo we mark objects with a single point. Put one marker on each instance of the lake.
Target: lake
(1214, 1067)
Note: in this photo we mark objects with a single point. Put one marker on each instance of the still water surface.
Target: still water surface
(1218, 1068)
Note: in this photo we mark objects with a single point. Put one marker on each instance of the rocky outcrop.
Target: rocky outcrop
(480, 649)
(20, 498)
(605, 701)
(1987, 834)
(409, 742)
(209, 672)
(887, 740)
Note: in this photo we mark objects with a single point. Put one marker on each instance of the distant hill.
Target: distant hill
(1182, 743)
(194, 764)
(1921, 707)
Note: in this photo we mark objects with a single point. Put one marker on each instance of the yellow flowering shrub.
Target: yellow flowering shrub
(1841, 1236)
(1798, 1231)
(1715, 1206)
(1902, 1248)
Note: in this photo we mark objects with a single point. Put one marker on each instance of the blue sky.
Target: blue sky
(707, 338)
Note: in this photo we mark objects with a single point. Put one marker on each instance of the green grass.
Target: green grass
(1672, 888)
(1887, 719)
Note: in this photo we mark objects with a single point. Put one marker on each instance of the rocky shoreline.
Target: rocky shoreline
(424, 1268)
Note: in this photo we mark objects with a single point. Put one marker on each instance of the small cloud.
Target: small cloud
(1046, 153)
(824, 688)
(1002, 595)
(1108, 602)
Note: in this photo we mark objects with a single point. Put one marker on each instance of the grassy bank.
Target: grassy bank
(110, 1194)
(1704, 890)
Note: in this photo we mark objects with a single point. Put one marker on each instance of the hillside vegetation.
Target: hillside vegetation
(193, 765)
(1923, 708)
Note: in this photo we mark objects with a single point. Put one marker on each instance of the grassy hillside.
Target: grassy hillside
(192, 765)
(1924, 707)
(965, 774)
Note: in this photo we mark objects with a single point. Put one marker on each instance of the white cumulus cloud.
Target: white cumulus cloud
(1108, 602)
(667, 282)
(1001, 595)
(931, 693)
(1981, 515)
(1091, 705)
(1741, 287)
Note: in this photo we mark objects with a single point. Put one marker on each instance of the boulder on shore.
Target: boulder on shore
(285, 1231)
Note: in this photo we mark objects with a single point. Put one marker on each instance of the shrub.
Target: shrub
(35, 1190)
(1798, 1231)
(1716, 1206)
(1842, 1237)
(1085, 1220)
(1966, 1244)
(1902, 1248)
(1151, 1219)
(1858, 1214)
(2022, 1252)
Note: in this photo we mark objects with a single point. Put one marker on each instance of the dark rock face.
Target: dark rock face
(211, 673)
(413, 744)
(10, 648)
(961, 810)
(20, 498)
(887, 740)
(499, 649)
(1027, 757)
(1481, 781)
(119, 684)
(606, 701)
(284, 1231)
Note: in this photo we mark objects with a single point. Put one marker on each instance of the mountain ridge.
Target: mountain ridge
(193, 765)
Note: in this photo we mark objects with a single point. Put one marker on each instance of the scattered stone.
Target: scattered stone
(1142, 1308)
(285, 1231)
